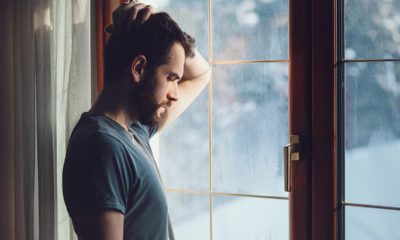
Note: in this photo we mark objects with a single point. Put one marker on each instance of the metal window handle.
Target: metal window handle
(291, 152)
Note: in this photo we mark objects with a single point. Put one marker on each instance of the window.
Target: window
(369, 55)
(222, 160)
(201, 154)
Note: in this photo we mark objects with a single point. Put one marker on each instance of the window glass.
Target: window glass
(372, 139)
(372, 224)
(371, 118)
(238, 218)
(250, 126)
(189, 215)
(372, 29)
(184, 147)
(250, 30)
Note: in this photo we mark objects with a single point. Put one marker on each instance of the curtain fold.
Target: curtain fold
(7, 205)
(45, 83)
(24, 113)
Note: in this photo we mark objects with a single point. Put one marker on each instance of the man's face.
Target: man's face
(158, 90)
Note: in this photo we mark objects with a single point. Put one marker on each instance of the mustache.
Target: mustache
(166, 103)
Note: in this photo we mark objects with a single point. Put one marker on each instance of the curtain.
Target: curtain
(45, 84)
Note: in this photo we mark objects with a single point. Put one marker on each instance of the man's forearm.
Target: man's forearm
(196, 75)
(195, 68)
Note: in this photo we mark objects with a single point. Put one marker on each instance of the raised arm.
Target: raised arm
(196, 75)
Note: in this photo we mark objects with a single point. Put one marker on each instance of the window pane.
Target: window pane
(183, 148)
(372, 224)
(250, 126)
(372, 29)
(237, 218)
(190, 216)
(251, 30)
(372, 133)
(192, 17)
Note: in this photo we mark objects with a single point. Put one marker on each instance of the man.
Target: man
(112, 188)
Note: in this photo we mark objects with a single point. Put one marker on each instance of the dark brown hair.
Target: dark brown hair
(153, 39)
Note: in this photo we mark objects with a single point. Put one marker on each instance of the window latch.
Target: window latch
(291, 152)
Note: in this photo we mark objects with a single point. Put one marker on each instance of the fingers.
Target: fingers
(141, 11)
(118, 17)
(127, 13)
(132, 16)
(147, 12)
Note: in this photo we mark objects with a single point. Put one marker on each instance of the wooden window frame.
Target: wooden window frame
(312, 54)
(300, 116)
(324, 130)
(104, 9)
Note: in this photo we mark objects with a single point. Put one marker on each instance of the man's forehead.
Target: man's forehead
(177, 52)
(173, 69)
(176, 59)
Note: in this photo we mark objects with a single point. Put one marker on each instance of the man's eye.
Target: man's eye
(172, 78)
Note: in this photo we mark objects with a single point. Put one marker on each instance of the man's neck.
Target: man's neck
(113, 107)
(120, 117)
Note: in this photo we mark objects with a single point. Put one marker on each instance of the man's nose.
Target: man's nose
(173, 93)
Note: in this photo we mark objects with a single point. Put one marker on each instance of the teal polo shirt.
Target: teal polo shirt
(107, 167)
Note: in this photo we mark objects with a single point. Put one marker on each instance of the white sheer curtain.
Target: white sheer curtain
(45, 83)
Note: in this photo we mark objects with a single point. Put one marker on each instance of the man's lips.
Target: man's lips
(166, 105)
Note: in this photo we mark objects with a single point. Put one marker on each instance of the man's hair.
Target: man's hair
(153, 39)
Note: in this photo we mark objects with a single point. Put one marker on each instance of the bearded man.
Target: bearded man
(111, 184)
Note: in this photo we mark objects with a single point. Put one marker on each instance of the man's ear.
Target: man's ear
(137, 68)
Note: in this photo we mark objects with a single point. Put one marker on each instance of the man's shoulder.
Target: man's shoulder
(96, 148)
(95, 133)
(92, 124)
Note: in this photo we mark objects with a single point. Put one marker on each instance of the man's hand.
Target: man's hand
(128, 14)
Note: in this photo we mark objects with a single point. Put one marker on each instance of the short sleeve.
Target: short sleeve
(100, 177)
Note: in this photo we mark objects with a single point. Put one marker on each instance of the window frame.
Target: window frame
(340, 63)
(312, 113)
(103, 18)
(324, 130)
(312, 45)
(300, 73)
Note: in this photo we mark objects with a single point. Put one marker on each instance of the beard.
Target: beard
(143, 100)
